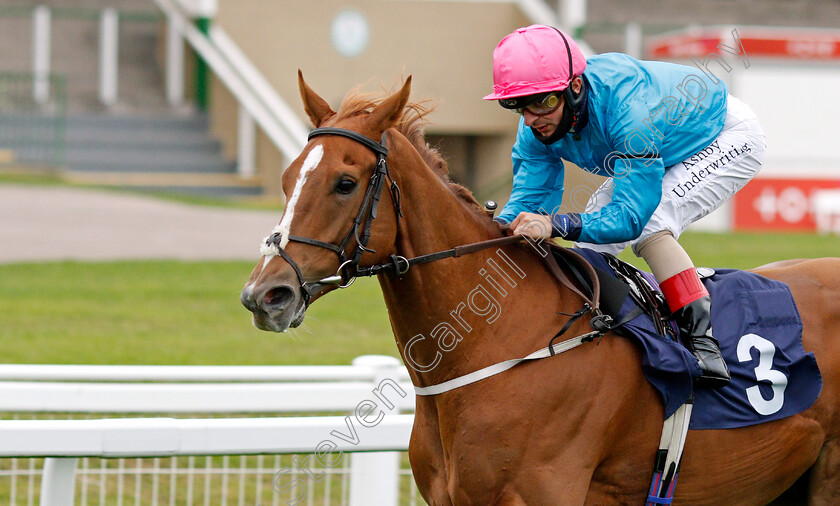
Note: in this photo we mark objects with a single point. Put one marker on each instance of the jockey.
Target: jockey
(672, 142)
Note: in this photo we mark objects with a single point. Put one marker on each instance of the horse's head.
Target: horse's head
(334, 190)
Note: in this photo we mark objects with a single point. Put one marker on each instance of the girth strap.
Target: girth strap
(549, 351)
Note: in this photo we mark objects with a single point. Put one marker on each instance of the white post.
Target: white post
(108, 55)
(572, 15)
(374, 476)
(633, 39)
(58, 482)
(41, 19)
(246, 144)
(175, 61)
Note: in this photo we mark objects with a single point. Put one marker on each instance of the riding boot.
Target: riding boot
(690, 308)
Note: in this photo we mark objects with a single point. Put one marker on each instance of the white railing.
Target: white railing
(373, 390)
(198, 398)
(201, 389)
(365, 369)
(376, 474)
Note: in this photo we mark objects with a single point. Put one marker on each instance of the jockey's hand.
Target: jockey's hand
(540, 226)
(504, 226)
(536, 226)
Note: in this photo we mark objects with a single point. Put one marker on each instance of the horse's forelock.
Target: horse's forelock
(411, 124)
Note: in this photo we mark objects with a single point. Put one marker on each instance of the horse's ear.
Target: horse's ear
(316, 107)
(387, 113)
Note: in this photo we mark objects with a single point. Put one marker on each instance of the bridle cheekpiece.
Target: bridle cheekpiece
(349, 267)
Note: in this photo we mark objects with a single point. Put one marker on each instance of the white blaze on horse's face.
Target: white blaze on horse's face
(311, 162)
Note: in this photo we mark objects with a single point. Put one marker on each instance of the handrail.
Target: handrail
(256, 95)
(62, 442)
(261, 86)
(275, 124)
(216, 397)
(372, 380)
(203, 389)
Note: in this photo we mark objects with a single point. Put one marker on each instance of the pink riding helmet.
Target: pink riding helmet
(535, 59)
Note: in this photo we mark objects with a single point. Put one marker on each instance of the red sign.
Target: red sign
(778, 204)
(777, 43)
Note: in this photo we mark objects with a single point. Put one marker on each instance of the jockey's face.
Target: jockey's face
(546, 124)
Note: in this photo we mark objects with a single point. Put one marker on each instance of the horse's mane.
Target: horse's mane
(411, 124)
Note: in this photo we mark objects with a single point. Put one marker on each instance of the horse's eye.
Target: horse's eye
(345, 186)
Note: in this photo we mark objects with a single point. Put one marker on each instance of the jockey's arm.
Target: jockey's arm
(637, 170)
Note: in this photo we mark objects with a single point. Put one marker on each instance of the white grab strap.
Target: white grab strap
(495, 369)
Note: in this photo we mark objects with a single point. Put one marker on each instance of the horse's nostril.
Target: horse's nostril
(278, 298)
(247, 298)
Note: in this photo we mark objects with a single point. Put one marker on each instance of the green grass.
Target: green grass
(746, 251)
(749, 250)
(169, 312)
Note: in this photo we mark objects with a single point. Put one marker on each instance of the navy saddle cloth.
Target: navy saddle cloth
(760, 333)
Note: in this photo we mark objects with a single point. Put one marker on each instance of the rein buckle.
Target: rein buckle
(397, 261)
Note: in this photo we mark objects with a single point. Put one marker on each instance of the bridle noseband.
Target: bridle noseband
(349, 265)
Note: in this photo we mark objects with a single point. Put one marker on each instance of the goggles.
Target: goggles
(538, 106)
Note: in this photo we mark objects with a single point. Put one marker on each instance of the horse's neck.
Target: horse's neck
(463, 314)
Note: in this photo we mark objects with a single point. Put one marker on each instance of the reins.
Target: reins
(349, 268)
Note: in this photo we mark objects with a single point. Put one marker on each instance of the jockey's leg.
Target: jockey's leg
(689, 302)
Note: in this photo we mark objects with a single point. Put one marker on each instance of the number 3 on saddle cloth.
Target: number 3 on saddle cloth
(760, 333)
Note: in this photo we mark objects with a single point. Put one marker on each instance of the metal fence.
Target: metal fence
(32, 119)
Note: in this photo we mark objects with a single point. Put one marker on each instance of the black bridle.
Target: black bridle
(348, 268)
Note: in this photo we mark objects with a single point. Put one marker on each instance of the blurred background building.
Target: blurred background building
(201, 95)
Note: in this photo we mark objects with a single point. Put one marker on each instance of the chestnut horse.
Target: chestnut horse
(580, 427)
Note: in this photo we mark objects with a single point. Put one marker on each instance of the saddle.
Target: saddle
(608, 292)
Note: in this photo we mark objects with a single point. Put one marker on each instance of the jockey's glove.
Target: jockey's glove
(566, 226)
